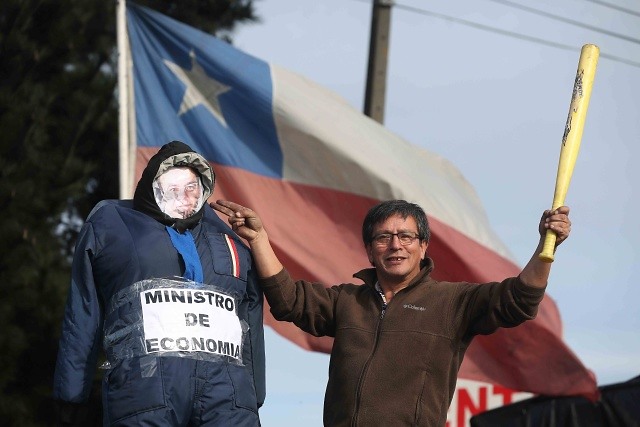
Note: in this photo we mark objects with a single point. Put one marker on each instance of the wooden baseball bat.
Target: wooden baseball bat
(572, 135)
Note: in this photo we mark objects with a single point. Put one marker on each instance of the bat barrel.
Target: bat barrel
(572, 135)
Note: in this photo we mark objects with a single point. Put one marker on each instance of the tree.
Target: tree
(58, 157)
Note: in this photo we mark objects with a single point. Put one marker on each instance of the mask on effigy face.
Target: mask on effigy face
(178, 192)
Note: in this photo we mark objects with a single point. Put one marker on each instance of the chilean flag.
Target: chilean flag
(311, 166)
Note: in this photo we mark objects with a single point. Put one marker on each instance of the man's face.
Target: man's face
(180, 189)
(395, 263)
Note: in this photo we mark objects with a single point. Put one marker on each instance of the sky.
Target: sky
(487, 84)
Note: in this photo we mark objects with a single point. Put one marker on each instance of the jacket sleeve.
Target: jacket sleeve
(310, 306)
(505, 304)
(81, 327)
(256, 336)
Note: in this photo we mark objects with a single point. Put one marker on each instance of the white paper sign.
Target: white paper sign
(189, 320)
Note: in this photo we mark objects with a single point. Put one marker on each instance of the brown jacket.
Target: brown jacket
(397, 366)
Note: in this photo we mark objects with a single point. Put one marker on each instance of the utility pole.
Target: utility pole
(378, 52)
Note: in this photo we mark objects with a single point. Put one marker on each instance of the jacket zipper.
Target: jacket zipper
(354, 421)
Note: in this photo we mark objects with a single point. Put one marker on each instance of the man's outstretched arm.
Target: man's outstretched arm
(536, 272)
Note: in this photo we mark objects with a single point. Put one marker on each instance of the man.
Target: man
(399, 338)
(170, 291)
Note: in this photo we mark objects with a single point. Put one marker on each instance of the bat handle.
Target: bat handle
(549, 247)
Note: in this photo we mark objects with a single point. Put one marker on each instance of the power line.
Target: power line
(616, 7)
(509, 33)
(566, 20)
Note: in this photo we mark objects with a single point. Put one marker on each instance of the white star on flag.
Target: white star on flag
(201, 88)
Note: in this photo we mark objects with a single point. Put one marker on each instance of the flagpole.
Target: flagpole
(124, 141)
(374, 97)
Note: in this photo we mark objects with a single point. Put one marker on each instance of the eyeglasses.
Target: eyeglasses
(405, 237)
(175, 192)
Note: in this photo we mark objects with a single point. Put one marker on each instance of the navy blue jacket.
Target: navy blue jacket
(119, 246)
